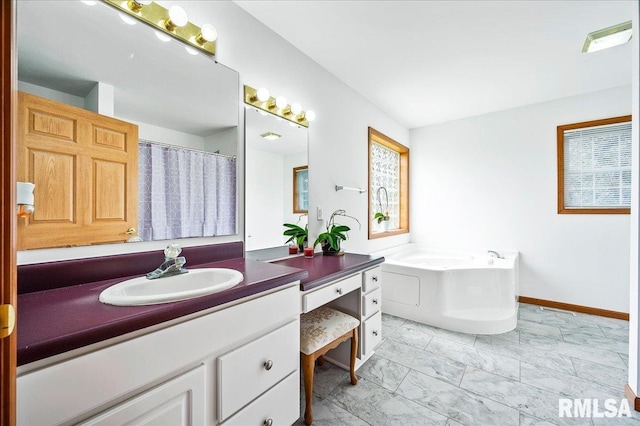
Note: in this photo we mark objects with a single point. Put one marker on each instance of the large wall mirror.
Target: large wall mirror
(74, 52)
(275, 164)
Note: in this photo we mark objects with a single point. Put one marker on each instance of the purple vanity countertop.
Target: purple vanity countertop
(323, 269)
(58, 320)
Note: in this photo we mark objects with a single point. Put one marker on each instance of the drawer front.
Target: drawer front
(281, 405)
(371, 279)
(372, 333)
(315, 299)
(371, 303)
(248, 371)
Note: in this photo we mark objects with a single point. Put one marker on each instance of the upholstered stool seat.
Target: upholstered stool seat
(320, 331)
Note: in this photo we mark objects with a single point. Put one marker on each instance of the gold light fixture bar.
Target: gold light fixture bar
(157, 16)
(251, 98)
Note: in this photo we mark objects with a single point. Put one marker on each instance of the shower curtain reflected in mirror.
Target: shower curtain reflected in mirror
(185, 193)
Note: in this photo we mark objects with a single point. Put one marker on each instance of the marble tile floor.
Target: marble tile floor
(424, 375)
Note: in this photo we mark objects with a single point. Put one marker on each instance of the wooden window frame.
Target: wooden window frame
(560, 143)
(403, 151)
(296, 193)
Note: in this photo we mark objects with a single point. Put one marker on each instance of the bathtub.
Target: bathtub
(467, 292)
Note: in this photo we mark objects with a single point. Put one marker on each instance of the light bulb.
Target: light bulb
(143, 2)
(281, 102)
(263, 94)
(207, 33)
(296, 109)
(177, 18)
(310, 115)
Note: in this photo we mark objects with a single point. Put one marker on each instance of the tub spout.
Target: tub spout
(495, 254)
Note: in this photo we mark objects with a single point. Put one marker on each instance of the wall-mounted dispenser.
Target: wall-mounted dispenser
(25, 198)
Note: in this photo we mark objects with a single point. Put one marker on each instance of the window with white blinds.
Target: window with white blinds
(595, 167)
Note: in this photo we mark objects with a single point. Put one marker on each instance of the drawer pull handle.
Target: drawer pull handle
(375, 278)
(375, 301)
(268, 422)
(339, 291)
(375, 332)
(268, 365)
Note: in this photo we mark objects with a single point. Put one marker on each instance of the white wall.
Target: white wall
(489, 182)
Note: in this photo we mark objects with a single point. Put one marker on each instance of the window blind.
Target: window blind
(597, 166)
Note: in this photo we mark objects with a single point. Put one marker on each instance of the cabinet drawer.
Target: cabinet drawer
(322, 296)
(372, 333)
(371, 303)
(248, 371)
(371, 279)
(281, 404)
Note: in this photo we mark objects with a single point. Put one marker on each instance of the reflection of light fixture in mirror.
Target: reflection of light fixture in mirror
(177, 18)
(89, 2)
(608, 37)
(277, 106)
(127, 19)
(207, 33)
(25, 198)
(172, 22)
(162, 36)
(270, 136)
(190, 50)
(136, 5)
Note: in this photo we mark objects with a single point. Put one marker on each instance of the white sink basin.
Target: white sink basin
(195, 283)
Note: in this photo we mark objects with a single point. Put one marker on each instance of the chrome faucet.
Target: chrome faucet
(495, 253)
(172, 265)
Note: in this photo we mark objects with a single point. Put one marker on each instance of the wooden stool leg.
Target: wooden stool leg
(354, 350)
(307, 370)
(320, 360)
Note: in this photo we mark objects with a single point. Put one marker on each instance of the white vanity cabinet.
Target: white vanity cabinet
(235, 364)
(359, 295)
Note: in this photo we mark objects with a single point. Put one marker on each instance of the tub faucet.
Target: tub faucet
(495, 253)
(172, 265)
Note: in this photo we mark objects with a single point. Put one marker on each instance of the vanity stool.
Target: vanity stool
(320, 331)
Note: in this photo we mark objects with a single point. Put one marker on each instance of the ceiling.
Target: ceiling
(425, 62)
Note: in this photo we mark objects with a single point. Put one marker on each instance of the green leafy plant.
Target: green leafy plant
(381, 216)
(335, 233)
(296, 234)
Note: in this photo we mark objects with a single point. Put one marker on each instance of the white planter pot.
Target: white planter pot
(383, 226)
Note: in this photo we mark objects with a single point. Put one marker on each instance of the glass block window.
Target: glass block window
(388, 185)
(594, 166)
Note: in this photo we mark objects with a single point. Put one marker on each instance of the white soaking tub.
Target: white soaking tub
(470, 292)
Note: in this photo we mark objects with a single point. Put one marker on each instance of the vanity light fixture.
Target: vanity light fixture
(260, 99)
(270, 136)
(177, 18)
(172, 22)
(608, 37)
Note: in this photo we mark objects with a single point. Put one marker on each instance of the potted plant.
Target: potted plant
(335, 233)
(297, 234)
(383, 220)
(382, 215)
